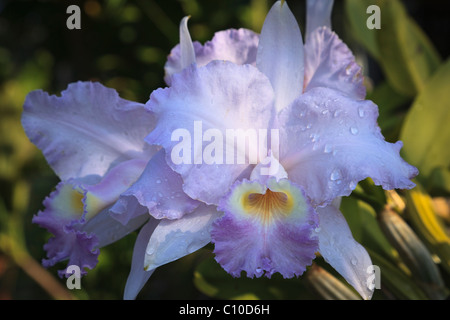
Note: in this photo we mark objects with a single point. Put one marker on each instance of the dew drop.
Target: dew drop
(354, 130)
(308, 126)
(348, 70)
(352, 185)
(354, 261)
(335, 175)
(317, 230)
(259, 271)
(150, 251)
(361, 112)
(314, 137)
(328, 148)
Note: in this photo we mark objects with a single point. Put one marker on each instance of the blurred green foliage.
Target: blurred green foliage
(124, 44)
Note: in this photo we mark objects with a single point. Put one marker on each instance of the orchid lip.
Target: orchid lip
(267, 206)
(268, 227)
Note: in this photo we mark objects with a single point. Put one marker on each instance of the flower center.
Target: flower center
(268, 205)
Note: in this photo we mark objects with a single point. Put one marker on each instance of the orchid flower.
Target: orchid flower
(122, 165)
(93, 140)
(276, 210)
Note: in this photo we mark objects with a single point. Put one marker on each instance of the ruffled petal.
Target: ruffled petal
(174, 239)
(330, 63)
(280, 54)
(71, 215)
(329, 142)
(159, 190)
(138, 277)
(87, 130)
(265, 229)
(235, 45)
(204, 117)
(318, 14)
(342, 252)
(62, 217)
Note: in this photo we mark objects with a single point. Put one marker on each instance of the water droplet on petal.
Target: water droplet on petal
(354, 131)
(337, 113)
(352, 185)
(348, 70)
(313, 137)
(259, 272)
(335, 175)
(317, 230)
(361, 112)
(354, 261)
(328, 148)
(150, 251)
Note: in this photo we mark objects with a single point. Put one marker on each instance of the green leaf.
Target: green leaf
(396, 282)
(390, 104)
(357, 17)
(426, 130)
(422, 216)
(438, 183)
(361, 219)
(407, 56)
(414, 253)
(327, 286)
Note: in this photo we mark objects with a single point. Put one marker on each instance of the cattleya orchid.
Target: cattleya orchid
(92, 139)
(122, 165)
(329, 140)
